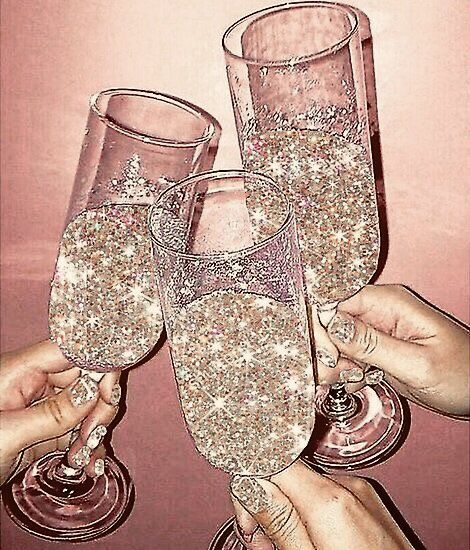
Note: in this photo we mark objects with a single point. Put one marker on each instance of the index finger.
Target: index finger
(371, 300)
(394, 310)
(382, 306)
(44, 356)
(101, 416)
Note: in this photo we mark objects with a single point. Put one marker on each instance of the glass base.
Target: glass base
(364, 439)
(226, 539)
(63, 508)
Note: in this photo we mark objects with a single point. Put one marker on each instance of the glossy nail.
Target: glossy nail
(325, 358)
(96, 437)
(342, 328)
(250, 493)
(85, 389)
(99, 467)
(356, 374)
(82, 457)
(374, 376)
(115, 395)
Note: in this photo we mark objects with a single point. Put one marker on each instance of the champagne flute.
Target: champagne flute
(231, 288)
(297, 84)
(104, 311)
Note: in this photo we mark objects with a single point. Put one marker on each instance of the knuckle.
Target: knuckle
(340, 502)
(283, 521)
(54, 411)
(368, 341)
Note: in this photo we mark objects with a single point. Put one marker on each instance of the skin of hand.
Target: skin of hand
(300, 509)
(424, 354)
(39, 407)
(330, 366)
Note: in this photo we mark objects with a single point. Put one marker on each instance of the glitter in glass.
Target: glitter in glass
(245, 379)
(331, 186)
(104, 310)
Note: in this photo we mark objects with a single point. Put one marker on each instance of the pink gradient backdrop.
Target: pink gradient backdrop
(56, 53)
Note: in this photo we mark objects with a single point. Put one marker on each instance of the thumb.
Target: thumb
(247, 531)
(56, 415)
(273, 511)
(365, 343)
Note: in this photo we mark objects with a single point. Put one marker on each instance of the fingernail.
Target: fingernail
(356, 374)
(326, 358)
(82, 457)
(374, 376)
(99, 467)
(96, 437)
(244, 533)
(85, 389)
(115, 395)
(342, 328)
(250, 493)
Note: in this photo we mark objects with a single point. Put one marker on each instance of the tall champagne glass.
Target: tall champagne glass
(104, 311)
(297, 84)
(231, 288)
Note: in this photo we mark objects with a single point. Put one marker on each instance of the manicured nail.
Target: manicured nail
(96, 437)
(342, 328)
(374, 376)
(85, 389)
(99, 467)
(250, 493)
(326, 358)
(243, 533)
(356, 374)
(115, 395)
(82, 457)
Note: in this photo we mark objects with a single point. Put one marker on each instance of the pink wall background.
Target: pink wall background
(56, 53)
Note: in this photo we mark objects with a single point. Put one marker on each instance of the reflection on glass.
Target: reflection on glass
(104, 308)
(232, 296)
(297, 82)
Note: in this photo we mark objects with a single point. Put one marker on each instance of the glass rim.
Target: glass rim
(216, 175)
(349, 10)
(191, 109)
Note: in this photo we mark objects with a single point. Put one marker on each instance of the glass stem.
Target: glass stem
(64, 470)
(63, 481)
(338, 404)
(64, 475)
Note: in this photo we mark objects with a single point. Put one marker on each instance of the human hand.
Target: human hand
(42, 399)
(423, 353)
(299, 509)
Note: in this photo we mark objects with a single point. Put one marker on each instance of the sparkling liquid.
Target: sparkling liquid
(330, 183)
(104, 311)
(245, 379)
